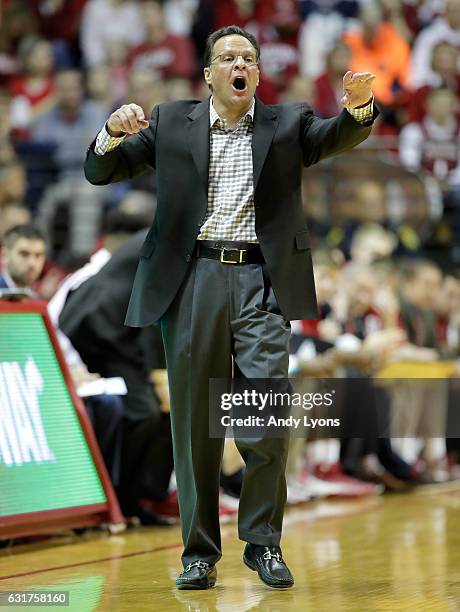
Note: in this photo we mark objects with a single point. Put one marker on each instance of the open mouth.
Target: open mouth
(239, 83)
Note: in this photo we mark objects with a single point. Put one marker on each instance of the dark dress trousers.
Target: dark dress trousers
(216, 317)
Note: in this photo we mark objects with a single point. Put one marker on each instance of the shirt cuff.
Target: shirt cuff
(362, 113)
(106, 143)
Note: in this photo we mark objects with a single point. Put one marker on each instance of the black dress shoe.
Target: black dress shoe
(269, 564)
(197, 575)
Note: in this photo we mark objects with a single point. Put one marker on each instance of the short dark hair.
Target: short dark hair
(28, 230)
(228, 31)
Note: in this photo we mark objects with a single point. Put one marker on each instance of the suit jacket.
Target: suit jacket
(92, 318)
(3, 283)
(176, 144)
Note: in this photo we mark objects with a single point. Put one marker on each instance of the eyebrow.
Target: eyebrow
(234, 51)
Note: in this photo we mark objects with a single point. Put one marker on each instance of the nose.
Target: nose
(239, 62)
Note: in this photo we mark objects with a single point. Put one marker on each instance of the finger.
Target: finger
(141, 120)
(138, 111)
(115, 122)
(347, 78)
(345, 101)
(131, 116)
(124, 122)
(359, 76)
(128, 120)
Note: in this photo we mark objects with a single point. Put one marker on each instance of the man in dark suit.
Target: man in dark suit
(92, 318)
(225, 266)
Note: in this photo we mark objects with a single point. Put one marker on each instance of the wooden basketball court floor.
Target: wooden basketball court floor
(393, 553)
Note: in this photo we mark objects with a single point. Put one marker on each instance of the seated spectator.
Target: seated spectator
(17, 21)
(146, 89)
(93, 319)
(70, 125)
(325, 20)
(69, 128)
(179, 89)
(329, 85)
(396, 13)
(450, 303)
(35, 81)
(12, 179)
(250, 14)
(162, 53)
(421, 283)
(59, 22)
(299, 89)
(12, 175)
(444, 74)
(22, 257)
(420, 409)
(107, 20)
(11, 215)
(366, 203)
(432, 144)
(445, 28)
(179, 16)
(279, 55)
(99, 88)
(370, 47)
(372, 242)
(117, 53)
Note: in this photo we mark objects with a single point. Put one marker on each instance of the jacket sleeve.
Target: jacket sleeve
(322, 138)
(134, 156)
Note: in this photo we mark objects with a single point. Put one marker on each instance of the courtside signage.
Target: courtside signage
(45, 462)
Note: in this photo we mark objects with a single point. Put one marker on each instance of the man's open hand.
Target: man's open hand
(357, 89)
(128, 119)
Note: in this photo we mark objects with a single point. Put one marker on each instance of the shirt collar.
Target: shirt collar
(213, 116)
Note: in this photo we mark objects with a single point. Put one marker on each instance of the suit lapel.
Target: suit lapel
(265, 124)
(198, 135)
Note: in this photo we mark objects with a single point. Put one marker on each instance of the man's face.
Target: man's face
(69, 89)
(24, 261)
(233, 73)
(428, 284)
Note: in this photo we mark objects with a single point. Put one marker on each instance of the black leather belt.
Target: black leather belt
(229, 252)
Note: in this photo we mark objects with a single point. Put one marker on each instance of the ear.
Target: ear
(207, 75)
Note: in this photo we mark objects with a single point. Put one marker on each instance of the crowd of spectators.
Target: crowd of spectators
(386, 229)
(65, 64)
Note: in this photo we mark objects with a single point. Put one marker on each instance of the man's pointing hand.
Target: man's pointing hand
(357, 89)
(128, 119)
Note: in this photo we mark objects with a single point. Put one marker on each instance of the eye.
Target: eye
(228, 59)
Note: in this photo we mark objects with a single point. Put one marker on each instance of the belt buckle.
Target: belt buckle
(228, 261)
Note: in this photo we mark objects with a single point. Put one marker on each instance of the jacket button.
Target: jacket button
(188, 258)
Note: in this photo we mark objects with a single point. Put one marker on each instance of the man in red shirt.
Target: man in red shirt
(162, 53)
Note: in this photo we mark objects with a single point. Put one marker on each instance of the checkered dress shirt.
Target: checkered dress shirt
(230, 214)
